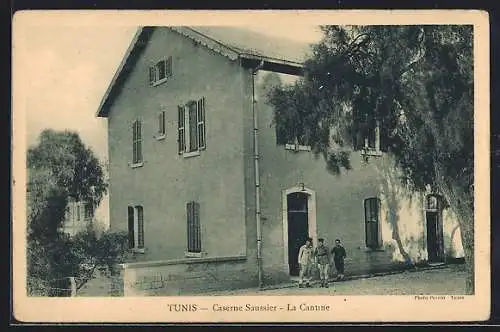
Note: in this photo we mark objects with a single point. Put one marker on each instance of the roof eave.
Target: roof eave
(276, 65)
(273, 64)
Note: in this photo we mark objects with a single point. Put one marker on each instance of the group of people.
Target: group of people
(321, 256)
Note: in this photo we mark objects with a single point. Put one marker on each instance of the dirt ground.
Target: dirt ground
(448, 280)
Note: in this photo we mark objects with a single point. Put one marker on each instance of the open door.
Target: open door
(434, 225)
(298, 228)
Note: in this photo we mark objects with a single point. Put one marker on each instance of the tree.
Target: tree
(60, 168)
(416, 84)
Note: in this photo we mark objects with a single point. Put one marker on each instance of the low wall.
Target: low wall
(187, 276)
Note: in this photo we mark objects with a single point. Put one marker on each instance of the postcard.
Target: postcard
(251, 166)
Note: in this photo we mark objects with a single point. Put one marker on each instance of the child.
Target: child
(321, 255)
(339, 254)
(305, 262)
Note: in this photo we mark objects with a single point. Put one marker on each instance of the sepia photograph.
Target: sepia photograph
(252, 166)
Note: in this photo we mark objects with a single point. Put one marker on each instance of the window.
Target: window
(372, 223)
(193, 228)
(191, 127)
(136, 227)
(160, 71)
(369, 136)
(297, 143)
(161, 125)
(136, 142)
(78, 217)
(432, 203)
(88, 211)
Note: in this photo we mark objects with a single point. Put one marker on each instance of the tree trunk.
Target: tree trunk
(463, 207)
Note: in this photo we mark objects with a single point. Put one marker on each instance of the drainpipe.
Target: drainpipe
(257, 176)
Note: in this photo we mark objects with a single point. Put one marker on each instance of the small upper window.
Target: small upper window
(369, 136)
(136, 142)
(161, 124)
(432, 202)
(160, 71)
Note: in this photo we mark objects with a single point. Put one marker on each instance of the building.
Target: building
(78, 215)
(210, 196)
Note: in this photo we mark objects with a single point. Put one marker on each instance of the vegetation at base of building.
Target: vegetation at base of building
(60, 167)
(416, 84)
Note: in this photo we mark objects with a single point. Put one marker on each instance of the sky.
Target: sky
(70, 68)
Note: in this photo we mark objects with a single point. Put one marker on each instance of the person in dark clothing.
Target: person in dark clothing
(339, 254)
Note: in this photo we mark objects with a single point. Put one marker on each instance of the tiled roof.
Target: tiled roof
(245, 41)
(230, 41)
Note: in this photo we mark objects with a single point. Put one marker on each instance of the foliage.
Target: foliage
(93, 253)
(60, 168)
(415, 82)
(77, 170)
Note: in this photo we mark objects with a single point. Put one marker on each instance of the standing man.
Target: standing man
(305, 262)
(339, 254)
(322, 257)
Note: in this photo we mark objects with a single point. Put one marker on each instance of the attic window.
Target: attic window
(160, 71)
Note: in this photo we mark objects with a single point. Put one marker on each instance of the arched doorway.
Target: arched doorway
(434, 229)
(299, 223)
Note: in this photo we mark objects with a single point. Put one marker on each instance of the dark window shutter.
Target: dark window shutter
(384, 137)
(161, 69)
(152, 75)
(358, 140)
(372, 135)
(372, 227)
(140, 227)
(189, 211)
(193, 227)
(197, 230)
(181, 130)
(201, 124)
(369, 237)
(131, 227)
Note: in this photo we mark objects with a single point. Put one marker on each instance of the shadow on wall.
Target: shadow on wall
(406, 242)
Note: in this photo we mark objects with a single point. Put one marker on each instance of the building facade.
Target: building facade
(77, 217)
(210, 197)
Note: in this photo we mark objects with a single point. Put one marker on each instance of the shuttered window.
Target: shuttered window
(136, 227)
(136, 142)
(372, 223)
(192, 126)
(160, 71)
(193, 227)
(369, 134)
